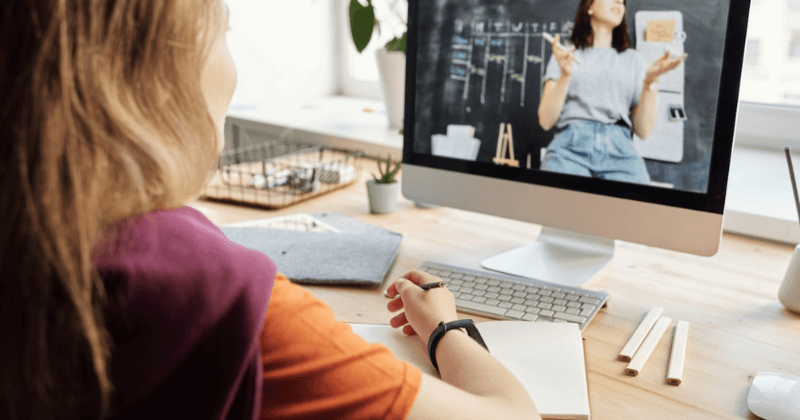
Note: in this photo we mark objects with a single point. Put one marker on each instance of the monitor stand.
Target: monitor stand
(557, 256)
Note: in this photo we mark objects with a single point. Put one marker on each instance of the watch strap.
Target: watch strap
(443, 328)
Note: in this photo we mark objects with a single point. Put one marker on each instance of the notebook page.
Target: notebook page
(547, 358)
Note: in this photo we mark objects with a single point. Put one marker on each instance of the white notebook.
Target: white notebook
(546, 357)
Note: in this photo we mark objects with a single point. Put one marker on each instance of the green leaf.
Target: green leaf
(362, 23)
(397, 44)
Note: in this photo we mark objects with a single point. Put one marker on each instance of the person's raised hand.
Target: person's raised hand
(664, 64)
(423, 309)
(564, 56)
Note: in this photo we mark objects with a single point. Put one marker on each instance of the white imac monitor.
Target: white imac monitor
(601, 145)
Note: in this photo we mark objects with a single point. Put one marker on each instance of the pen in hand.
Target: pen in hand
(429, 286)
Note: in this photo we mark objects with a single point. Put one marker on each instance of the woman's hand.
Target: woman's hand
(564, 57)
(661, 66)
(424, 310)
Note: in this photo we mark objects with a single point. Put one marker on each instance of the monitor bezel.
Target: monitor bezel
(712, 201)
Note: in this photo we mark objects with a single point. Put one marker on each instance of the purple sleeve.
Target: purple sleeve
(185, 311)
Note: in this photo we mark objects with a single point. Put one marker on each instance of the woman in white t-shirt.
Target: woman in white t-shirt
(596, 104)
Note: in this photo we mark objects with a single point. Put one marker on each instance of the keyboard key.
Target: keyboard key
(481, 280)
(558, 308)
(593, 301)
(544, 292)
(529, 317)
(491, 295)
(571, 297)
(457, 276)
(493, 282)
(469, 278)
(546, 313)
(546, 299)
(569, 317)
(506, 291)
(481, 307)
(492, 302)
(514, 314)
(481, 287)
(561, 302)
(518, 287)
(479, 299)
(517, 300)
(573, 311)
(575, 305)
(506, 305)
(504, 298)
(493, 289)
(519, 307)
(544, 305)
(558, 295)
(532, 310)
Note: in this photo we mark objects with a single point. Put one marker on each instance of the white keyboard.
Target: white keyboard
(501, 296)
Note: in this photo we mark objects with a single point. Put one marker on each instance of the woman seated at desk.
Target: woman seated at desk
(120, 302)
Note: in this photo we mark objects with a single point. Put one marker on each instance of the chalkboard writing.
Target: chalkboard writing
(481, 63)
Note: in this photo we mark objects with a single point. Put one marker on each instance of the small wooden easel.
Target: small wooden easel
(505, 144)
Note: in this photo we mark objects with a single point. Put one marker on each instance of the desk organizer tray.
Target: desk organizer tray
(276, 173)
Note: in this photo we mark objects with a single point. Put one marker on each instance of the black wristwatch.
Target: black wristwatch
(442, 328)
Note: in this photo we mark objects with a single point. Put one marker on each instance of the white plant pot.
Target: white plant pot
(392, 70)
(382, 197)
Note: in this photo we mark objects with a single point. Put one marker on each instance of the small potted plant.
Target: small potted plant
(383, 190)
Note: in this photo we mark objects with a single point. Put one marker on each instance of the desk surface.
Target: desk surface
(738, 327)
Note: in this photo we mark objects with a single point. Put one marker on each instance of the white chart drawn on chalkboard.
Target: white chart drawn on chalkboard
(491, 43)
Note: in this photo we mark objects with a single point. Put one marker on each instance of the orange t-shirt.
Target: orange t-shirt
(315, 367)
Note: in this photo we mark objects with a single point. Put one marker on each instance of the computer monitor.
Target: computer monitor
(588, 167)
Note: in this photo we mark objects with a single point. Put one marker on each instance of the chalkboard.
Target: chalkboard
(481, 62)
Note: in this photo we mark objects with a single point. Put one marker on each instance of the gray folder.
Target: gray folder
(359, 254)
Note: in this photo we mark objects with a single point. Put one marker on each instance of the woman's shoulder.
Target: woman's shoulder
(178, 258)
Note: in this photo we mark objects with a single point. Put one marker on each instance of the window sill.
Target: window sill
(759, 202)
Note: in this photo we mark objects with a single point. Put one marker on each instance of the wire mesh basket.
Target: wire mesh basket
(278, 173)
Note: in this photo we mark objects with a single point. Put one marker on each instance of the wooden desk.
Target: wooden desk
(738, 327)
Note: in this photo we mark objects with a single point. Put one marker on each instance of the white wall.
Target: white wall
(284, 51)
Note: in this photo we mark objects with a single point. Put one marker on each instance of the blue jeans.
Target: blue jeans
(595, 149)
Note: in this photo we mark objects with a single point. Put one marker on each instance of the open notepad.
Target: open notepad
(547, 358)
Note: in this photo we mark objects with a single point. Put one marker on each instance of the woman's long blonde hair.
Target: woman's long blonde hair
(102, 117)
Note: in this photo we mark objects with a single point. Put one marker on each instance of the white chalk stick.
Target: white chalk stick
(549, 38)
(650, 343)
(676, 358)
(641, 332)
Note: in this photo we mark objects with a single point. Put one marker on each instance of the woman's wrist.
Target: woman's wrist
(651, 84)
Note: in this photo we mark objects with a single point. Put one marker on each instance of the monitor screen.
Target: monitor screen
(609, 118)
(649, 106)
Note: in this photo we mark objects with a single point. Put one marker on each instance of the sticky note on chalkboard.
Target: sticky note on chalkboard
(660, 31)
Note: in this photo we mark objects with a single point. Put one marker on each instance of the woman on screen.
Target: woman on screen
(594, 105)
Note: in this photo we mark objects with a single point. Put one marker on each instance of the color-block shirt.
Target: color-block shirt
(193, 337)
